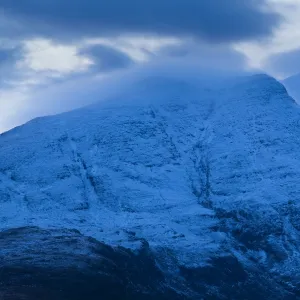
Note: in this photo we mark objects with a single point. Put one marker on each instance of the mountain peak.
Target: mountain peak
(200, 169)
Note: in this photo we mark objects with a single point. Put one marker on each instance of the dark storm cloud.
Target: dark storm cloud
(286, 63)
(213, 20)
(106, 58)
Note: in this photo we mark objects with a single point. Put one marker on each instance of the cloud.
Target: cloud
(25, 100)
(284, 64)
(28, 66)
(35, 71)
(11, 104)
(285, 38)
(215, 21)
(50, 77)
(74, 92)
(53, 52)
(8, 56)
(44, 55)
(138, 48)
(206, 56)
(106, 58)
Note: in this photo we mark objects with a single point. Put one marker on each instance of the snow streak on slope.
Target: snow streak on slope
(201, 168)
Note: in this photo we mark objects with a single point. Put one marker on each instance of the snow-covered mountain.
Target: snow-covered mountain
(293, 86)
(206, 172)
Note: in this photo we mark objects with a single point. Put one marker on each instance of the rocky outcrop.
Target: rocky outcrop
(63, 264)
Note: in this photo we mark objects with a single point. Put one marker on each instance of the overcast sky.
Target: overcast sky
(52, 50)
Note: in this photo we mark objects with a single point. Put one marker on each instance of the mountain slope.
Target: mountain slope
(201, 170)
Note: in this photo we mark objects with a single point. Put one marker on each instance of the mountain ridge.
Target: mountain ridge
(204, 171)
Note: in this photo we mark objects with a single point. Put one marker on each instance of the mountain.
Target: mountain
(198, 179)
(292, 84)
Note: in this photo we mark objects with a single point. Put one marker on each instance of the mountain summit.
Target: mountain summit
(206, 173)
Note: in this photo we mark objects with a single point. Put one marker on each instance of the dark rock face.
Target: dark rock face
(62, 264)
(41, 264)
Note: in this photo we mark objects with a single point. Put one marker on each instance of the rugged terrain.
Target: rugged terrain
(204, 173)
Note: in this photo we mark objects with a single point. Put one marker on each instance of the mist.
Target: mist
(87, 89)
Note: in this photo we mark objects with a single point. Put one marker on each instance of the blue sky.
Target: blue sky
(48, 47)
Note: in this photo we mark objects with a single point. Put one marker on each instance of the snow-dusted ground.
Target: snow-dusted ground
(200, 167)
